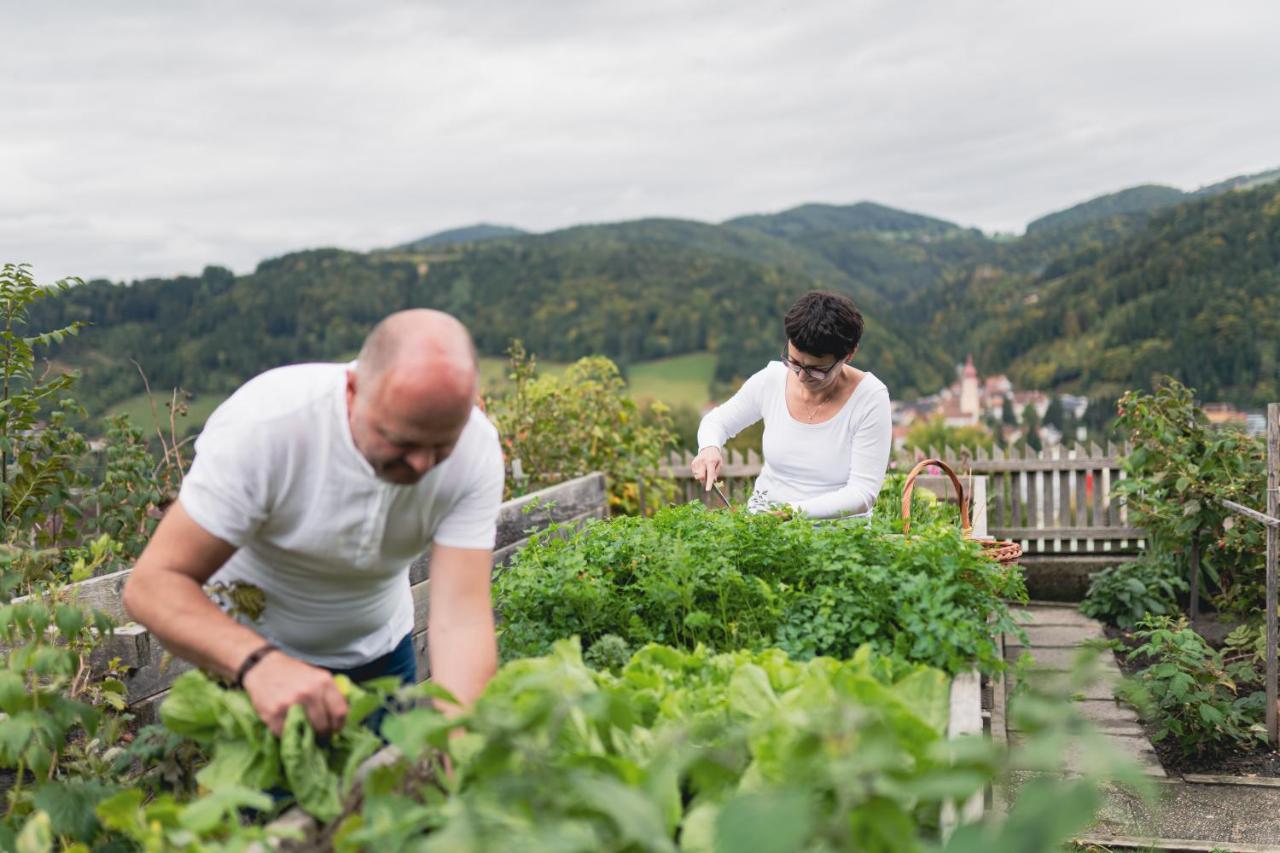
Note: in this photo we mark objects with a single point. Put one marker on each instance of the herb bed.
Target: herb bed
(1257, 761)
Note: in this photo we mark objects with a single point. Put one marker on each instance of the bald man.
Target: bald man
(320, 484)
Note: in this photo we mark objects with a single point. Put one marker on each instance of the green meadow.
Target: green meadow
(681, 379)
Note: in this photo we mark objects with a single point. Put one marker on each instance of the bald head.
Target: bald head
(419, 342)
(412, 392)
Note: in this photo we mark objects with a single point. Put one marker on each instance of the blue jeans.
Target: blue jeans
(400, 662)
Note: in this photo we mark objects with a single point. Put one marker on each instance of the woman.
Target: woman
(827, 425)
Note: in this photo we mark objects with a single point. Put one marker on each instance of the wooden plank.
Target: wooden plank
(1033, 463)
(420, 656)
(999, 502)
(103, 593)
(964, 720)
(1247, 781)
(1081, 498)
(1102, 533)
(1018, 485)
(1064, 516)
(541, 508)
(1097, 517)
(978, 502)
(1240, 509)
(1033, 503)
(1273, 548)
(1065, 508)
(518, 517)
(1107, 518)
(1180, 845)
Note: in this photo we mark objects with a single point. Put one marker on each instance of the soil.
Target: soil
(1260, 761)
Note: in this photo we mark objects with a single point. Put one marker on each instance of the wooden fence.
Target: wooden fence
(149, 669)
(1057, 501)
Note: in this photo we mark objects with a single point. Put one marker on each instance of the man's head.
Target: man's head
(411, 393)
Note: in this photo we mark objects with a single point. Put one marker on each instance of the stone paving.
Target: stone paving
(1187, 816)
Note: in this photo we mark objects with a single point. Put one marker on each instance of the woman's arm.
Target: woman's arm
(735, 414)
(723, 423)
(872, 444)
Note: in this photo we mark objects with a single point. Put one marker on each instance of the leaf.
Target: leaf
(13, 692)
(413, 732)
(750, 693)
(776, 822)
(71, 806)
(192, 708)
(927, 692)
(313, 784)
(70, 621)
(123, 812)
(222, 807)
(36, 835)
(637, 819)
(362, 744)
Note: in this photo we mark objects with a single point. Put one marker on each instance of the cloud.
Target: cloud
(152, 139)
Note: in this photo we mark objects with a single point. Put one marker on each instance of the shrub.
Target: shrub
(1180, 467)
(1189, 693)
(561, 427)
(1125, 594)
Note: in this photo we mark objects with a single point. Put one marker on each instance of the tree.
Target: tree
(1054, 415)
(1069, 426)
(934, 433)
(35, 460)
(1006, 413)
(1031, 427)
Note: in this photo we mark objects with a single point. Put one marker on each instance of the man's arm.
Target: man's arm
(165, 593)
(461, 645)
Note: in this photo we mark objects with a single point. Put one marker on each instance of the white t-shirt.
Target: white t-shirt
(277, 475)
(830, 469)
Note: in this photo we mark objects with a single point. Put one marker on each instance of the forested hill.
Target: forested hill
(1095, 307)
(633, 291)
(1195, 294)
(1143, 199)
(468, 234)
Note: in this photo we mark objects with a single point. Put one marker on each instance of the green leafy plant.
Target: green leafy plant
(731, 580)
(561, 427)
(695, 751)
(1125, 594)
(1180, 468)
(243, 752)
(1189, 693)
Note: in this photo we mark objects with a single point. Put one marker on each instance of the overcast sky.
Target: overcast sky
(153, 138)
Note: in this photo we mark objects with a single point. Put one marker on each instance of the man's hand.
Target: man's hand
(706, 466)
(279, 682)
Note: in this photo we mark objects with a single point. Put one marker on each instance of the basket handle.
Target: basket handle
(910, 485)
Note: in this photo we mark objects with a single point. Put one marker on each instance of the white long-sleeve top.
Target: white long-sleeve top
(829, 469)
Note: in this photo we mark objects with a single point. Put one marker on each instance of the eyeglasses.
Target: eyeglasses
(815, 373)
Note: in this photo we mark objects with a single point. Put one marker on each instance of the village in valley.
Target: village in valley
(980, 410)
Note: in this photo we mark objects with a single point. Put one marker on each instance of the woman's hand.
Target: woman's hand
(706, 466)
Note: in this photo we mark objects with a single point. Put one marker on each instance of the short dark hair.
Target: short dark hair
(823, 323)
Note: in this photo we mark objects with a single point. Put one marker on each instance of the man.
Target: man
(320, 484)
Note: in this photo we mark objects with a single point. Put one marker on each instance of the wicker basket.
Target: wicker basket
(1003, 551)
